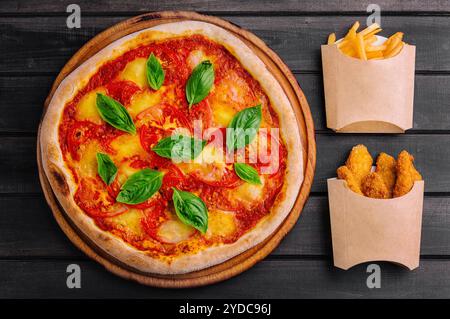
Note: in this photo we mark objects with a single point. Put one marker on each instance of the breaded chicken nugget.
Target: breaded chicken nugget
(374, 186)
(406, 174)
(344, 173)
(386, 169)
(359, 162)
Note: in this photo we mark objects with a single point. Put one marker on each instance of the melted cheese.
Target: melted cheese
(125, 171)
(127, 145)
(136, 71)
(174, 231)
(87, 108)
(130, 220)
(198, 56)
(88, 160)
(144, 100)
(247, 194)
(222, 114)
(232, 89)
(220, 223)
(210, 164)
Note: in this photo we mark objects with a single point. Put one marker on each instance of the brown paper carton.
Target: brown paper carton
(366, 229)
(374, 96)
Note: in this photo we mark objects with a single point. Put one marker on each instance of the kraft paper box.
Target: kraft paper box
(365, 229)
(374, 96)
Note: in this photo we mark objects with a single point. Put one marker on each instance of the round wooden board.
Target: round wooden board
(247, 259)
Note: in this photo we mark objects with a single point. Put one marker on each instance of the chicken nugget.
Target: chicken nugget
(344, 173)
(374, 186)
(359, 162)
(386, 169)
(406, 174)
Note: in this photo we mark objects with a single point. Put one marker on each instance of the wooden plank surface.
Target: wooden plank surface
(282, 278)
(44, 44)
(432, 100)
(214, 6)
(27, 229)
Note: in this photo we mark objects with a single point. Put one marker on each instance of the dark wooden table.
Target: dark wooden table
(34, 45)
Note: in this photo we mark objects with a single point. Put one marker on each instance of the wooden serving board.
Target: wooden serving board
(247, 259)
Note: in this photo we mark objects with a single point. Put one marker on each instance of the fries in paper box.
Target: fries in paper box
(368, 81)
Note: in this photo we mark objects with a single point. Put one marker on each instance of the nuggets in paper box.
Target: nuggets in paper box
(376, 211)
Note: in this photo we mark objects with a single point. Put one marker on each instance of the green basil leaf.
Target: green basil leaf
(247, 173)
(190, 209)
(106, 168)
(243, 127)
(140, 186)
(115, 114)
(200, 82)
(155, 73)
(179, 147)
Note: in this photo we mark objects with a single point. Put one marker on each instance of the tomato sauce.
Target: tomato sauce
(98, 199)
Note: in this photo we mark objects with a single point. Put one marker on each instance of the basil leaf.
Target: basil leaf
(190, 209)
(243, 127)
(247, 173)
(140, 186)
(115, 114)
(106, 168)
(179, 147)
(200, 82)
(155, 73)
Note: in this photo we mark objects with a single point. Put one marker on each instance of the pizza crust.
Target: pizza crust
(64, 186)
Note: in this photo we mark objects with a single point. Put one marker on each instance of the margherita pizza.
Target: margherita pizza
(173, 149)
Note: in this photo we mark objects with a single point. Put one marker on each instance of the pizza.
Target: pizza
(173, 149)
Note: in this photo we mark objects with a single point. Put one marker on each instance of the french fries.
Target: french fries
(360, 44)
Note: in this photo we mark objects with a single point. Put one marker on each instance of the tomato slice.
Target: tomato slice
(149, 136)
(122, 91)
(149, 203)
(173, 177)
(202, 112)
(217, 137)
(154, 216)
(228, 178)
(162, 114)
(176, 116)
(95, 200)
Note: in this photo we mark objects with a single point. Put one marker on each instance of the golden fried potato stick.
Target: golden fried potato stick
(360, 44)
(369, 40)
(376, 55)
(350, 36)
(372, 33)
(344, 173)
(360, 47)
(394, 51)
(386, 169)
(370, 29)
(375, 48)
(332, 38)
(374, 186)
(349, 51)
(393, 41)
(359, 162)
(406, 174)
